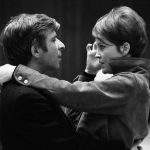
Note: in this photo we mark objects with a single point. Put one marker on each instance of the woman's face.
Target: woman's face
(106, 51)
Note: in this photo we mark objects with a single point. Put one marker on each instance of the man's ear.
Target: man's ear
(35, 51)
(125, 48)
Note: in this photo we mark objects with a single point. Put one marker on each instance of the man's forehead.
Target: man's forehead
(50, 33)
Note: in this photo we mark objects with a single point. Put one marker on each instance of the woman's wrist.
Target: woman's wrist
(88, 76)
(90, 72)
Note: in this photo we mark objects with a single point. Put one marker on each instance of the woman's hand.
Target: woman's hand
(92, 63)
(6, 72)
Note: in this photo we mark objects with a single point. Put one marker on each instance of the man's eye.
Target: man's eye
(54, 39)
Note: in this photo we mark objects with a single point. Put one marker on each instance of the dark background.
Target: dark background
(77, 17)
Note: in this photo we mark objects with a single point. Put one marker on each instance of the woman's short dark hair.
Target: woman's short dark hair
(21, 31)
(120, 25)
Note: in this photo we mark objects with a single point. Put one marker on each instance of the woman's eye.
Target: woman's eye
(101, 46)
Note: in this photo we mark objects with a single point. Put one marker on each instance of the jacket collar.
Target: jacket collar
(129, 64)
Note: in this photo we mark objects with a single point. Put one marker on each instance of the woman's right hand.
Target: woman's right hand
(6, 72)
(92, 63)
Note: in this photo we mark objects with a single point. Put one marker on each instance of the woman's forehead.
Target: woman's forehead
(103, 40)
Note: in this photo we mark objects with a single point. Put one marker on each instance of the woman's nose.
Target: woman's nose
(98, 55)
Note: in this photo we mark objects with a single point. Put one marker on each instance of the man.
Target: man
(30, 118)
(114, 111)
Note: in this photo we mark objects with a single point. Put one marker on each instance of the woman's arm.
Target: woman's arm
(94, 96)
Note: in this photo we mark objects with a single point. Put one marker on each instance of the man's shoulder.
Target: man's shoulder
(16, 94)
(14, 89)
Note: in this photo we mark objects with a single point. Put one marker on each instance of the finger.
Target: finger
(94, 46)
(89, 47)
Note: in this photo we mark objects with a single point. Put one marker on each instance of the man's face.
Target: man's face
(105, 52)
(51, 58)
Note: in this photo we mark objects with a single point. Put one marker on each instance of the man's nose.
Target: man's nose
(61, 45)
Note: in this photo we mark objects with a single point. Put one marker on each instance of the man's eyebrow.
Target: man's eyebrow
(55, 36)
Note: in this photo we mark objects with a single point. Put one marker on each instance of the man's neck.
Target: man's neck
(35, 66)
(39, 68)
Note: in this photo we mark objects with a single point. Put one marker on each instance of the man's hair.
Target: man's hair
(22, 32)
(120, 25)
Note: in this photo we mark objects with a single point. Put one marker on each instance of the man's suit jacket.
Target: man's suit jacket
(31, 120)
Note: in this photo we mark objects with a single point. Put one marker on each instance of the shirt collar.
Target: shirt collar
(129, 64)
